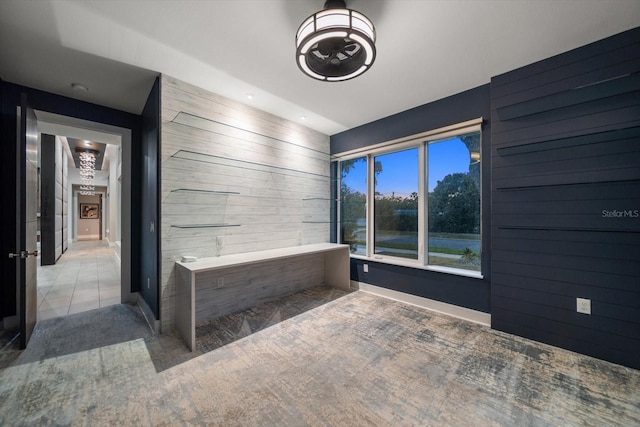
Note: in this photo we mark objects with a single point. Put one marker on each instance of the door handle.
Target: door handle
(23, 254)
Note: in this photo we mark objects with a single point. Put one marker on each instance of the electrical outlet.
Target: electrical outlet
(365, 268)
(583, 305)
(219, 245)
(220, 282)
(148, 282)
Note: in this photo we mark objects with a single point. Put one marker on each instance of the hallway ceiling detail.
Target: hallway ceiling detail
(79, 144)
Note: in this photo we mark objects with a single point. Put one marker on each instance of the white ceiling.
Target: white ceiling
(426, 49)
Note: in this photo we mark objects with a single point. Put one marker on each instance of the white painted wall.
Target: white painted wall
(65, 197)
(113, 196)
(58, 157)
(88, 229)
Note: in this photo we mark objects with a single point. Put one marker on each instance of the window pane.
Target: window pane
(454, 202)
(396, 204)
(353, 204)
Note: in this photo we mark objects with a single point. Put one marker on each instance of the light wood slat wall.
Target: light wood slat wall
(264, 176)
(244, 287)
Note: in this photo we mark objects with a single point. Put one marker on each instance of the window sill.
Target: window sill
(415, 264)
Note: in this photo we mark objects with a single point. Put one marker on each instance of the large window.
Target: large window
(353, 204)
(453, 180)
(396, 204)
(416, 201)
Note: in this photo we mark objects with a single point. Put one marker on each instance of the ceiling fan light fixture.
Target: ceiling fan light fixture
(335, 44)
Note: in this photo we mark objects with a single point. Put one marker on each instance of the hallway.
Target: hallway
(86, 277)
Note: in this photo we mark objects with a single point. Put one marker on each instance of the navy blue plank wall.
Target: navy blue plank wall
(452, 289)
(149, 201)
(565, 147)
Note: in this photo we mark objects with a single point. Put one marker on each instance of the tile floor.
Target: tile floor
(87, 276)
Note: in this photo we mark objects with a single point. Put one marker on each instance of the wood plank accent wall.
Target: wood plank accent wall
(566, 200)
(234, 179)
(250, 286)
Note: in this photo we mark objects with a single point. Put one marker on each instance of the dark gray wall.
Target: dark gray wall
(53, 199)
(565, 147)
(149, 230)
(7, 214)
(47, 200)
(462, 291)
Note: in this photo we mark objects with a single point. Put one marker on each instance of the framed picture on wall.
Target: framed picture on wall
(89, 211)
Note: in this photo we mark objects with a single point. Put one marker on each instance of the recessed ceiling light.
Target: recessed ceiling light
(79, 87)
(249, 95)
(303, 117)
(87, 143)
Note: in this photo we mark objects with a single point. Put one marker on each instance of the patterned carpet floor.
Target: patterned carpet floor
(334, 359)
(219, 332)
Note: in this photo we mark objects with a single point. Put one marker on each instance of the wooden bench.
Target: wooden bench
(212, 287)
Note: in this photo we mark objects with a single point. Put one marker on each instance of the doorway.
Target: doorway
(92, 272)
(78, 268)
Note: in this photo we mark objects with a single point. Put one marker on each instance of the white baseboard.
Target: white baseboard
(428, 304)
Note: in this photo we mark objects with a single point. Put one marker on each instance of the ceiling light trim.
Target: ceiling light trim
(79, 87)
